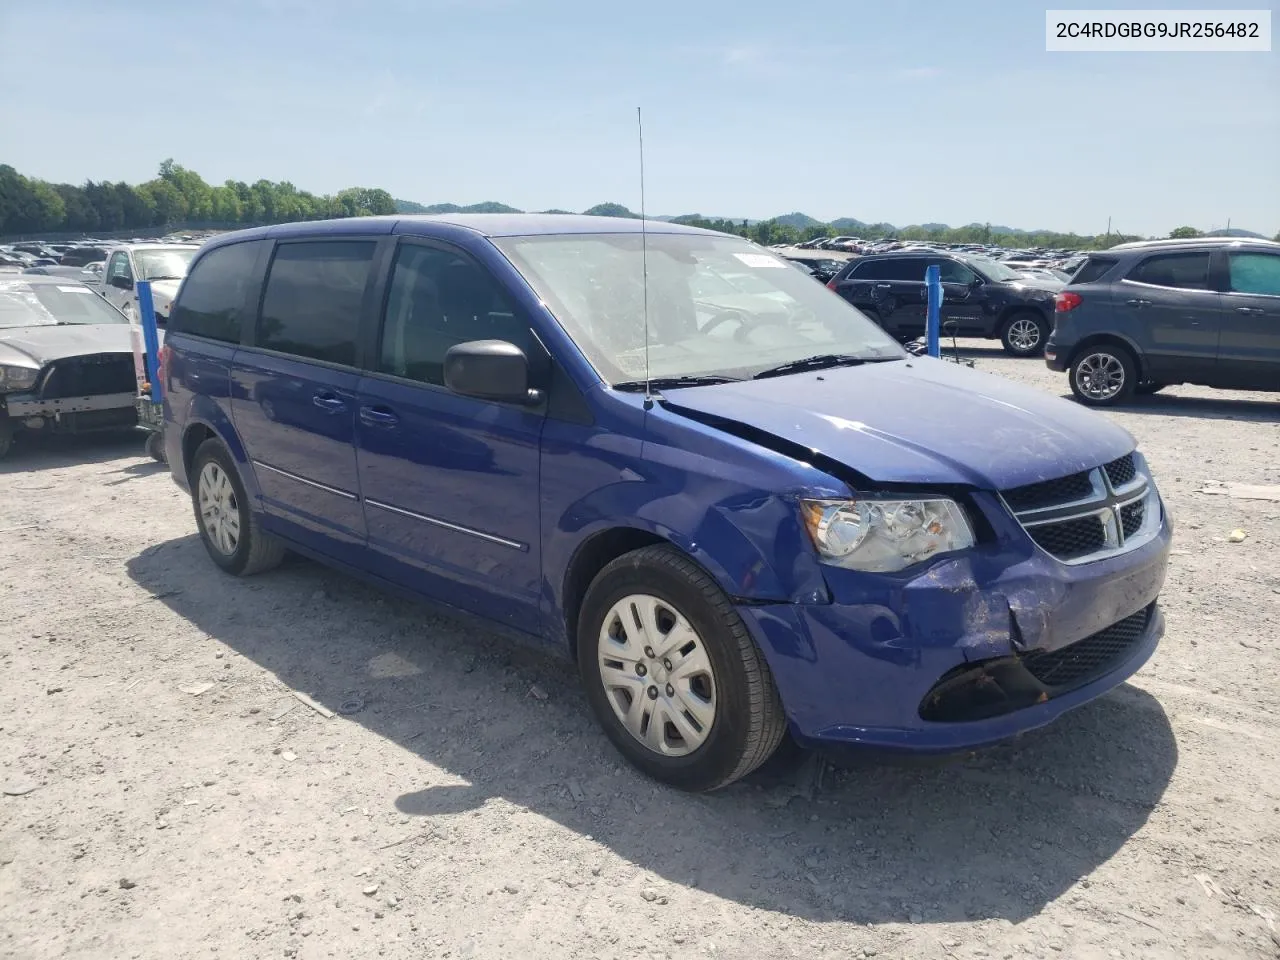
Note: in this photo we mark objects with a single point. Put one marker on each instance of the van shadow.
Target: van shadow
(995, 835)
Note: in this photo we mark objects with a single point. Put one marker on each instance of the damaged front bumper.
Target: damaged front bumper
(108, 411)
(975, 649)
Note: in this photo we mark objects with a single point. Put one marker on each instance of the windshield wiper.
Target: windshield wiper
(671, 383)
(820, 361)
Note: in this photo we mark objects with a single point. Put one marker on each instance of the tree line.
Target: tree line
(176, 196)
(768, 232)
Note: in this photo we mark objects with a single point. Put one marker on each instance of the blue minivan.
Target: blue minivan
(735, 503)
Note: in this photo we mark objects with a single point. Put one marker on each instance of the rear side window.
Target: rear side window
(1187, 271)
(903, 268)
(1255, 273)
(1093, 269)
(311, 307)
(211, 302)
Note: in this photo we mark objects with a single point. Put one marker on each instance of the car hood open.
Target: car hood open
(921, 420)
(40, 345)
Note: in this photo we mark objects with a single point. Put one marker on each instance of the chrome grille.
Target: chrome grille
(1121, 471)
(1090, 515)
(1072, 538)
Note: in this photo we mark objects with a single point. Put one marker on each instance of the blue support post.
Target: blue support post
(151, 338)
(933, 326)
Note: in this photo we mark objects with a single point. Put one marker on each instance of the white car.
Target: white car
(164, 264)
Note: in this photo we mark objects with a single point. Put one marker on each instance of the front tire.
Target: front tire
(1103, 376)
(1024, 334)
(672, 674)
(228, 526)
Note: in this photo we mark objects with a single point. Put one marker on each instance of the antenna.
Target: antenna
(644, 265)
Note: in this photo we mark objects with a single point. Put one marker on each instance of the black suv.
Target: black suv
(1141, 316)
(981, 298)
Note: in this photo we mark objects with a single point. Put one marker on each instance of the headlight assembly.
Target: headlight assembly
(881, 536)
(17, 378)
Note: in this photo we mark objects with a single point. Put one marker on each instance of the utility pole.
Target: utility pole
(1108, 226)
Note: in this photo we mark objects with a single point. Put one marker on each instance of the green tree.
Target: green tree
(138, 205)
(167, 202)
(80, 213)
(1184, 233)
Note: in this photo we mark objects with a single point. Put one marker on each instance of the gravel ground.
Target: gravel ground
(181, 802)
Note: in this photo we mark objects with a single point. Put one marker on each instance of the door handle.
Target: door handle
(883, 286)
(378, 417)
(1138, 303)
(1250, 310)
(328, 402)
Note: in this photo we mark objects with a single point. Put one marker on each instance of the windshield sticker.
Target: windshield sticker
(74, 289)
(632, 364)
(759, 260)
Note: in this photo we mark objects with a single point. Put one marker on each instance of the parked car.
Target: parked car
(736, 520)
(822, 268)
(1141, 316)
(66, 360)
(981, 297)
(75, 273)
(163, 264)
(80, 256)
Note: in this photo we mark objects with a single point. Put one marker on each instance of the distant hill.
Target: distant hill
(610, 210)
(1236, 232)
(489, 206)
(797, 220)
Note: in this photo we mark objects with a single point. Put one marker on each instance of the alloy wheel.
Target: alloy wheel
(1100, 376)
(657, 675)
(1024, 335)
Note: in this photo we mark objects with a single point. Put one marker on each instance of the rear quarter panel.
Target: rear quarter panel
(198, 394)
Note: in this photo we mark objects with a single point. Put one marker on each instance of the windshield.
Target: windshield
(168, 264)
(717, 306)
(49, 304)
(991, 269)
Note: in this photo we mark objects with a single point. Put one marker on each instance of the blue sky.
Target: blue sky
(937, 110)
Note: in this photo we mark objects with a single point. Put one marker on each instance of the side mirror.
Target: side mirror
(124, 283)
(489, 370)
(975, 283)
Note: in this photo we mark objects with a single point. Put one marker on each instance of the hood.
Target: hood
(921, 421)
(40, 345)
(1035, 283)
(163, 291)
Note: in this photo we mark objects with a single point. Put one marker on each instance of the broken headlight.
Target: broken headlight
(17, 378)
(881, 536)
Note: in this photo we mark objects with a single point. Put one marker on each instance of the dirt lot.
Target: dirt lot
(182, 803)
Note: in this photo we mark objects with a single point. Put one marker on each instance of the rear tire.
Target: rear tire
(703, 710)
(228, 526)
(1103, 375)
(1024, 334)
